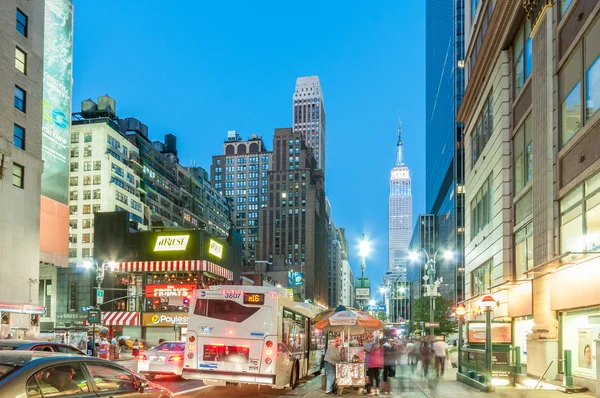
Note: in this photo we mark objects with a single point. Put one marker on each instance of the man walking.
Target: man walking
(332, 357)
(440, 349)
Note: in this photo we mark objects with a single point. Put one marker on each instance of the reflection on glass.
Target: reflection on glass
(592, 90)
(571, 114)
(571, 230)
(564, 5)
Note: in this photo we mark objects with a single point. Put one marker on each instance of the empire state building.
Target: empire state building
(399, 212)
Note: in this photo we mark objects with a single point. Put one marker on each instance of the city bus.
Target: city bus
(251, 335)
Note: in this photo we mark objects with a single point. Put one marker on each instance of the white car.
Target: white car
(164, 359)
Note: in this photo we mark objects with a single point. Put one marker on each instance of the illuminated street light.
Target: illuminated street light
(448, 255)
(364, 248)
(414, 256)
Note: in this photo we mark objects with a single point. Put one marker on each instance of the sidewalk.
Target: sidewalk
(409, 385)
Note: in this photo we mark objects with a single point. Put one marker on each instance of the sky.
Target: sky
(203, 68)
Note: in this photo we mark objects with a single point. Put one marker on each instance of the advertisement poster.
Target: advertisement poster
(585, 343)
(56, 105)
(501, 333)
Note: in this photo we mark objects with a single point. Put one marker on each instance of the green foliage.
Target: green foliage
(442, 314)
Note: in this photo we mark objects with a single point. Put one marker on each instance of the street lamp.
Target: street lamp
(364, 248)
(430, 282)
(488, 303)
(460, 312)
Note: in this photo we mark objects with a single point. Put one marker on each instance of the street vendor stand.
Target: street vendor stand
(349, 373)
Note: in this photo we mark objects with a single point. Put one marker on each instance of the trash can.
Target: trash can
(104, 350)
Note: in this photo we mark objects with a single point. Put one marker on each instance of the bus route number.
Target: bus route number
(254, 298)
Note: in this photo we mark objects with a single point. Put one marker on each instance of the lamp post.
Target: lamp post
(488, 302)
(364, 248)
(430, 282)
(460, 312)
(106, 265)
(383, 290)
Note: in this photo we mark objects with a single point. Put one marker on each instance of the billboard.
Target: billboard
(56, 104)
(501, 332)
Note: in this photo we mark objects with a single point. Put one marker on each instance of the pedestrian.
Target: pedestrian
(389, 366)
(367, 350)
(113, 341)
(160, 341)
(333, 356)
(375, 366)
(122, 345)
(425, 356)
(440, 349)
(9, 336)
(136, 348)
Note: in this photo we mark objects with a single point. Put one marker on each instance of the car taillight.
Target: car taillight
(143, 357)
(269, 343)
(268, 361)
(175, 358)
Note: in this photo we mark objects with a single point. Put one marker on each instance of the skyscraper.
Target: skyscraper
(309, 116)
(399, 211)
(444, 136)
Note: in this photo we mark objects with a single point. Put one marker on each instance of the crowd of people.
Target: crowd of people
(382, 356)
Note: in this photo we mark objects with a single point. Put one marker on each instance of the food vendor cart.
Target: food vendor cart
(350, 372)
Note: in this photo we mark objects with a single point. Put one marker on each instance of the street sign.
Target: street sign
(99, 296)
(94, 316)
(431, 290)
(87, 308)
(376, 308)
(432, 324)
(362, 293)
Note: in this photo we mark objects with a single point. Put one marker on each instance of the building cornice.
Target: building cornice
(493, 43)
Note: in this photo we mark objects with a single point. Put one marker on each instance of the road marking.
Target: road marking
(190, 390)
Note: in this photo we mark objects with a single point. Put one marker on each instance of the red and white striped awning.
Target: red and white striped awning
(123, 318)
(186, 265)
(113, 318)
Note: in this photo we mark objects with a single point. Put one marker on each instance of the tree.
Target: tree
(442, 315)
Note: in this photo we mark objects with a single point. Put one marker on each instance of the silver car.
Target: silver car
(33, 374)
(164, 359)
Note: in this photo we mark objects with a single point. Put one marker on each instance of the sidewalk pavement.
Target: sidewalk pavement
(409, 385)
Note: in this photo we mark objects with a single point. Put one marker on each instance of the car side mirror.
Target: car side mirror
(142, 384)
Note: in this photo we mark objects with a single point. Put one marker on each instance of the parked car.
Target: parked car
(164, 359)
(129, 342)
(33, 345)
(37, 374)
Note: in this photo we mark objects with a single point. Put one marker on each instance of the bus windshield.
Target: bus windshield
(225, 310)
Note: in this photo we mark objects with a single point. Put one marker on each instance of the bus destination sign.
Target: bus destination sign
(254, 298)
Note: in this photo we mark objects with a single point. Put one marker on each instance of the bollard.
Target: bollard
(568, 371)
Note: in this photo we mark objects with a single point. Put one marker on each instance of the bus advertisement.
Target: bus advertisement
(251, 335)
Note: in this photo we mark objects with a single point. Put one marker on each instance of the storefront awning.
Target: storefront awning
(187, 265)
(119, 318)
(22, 308)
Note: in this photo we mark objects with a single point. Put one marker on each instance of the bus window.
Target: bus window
(225, 310)
(293, 335)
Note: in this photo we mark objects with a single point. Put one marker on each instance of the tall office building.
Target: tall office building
(294, 224)
(21, 74)
(240, 174)
(309, 116)
(444, 136)
(399, 211)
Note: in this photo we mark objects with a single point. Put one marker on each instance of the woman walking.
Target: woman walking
(389, 366)
(425, 357)
(375, 366)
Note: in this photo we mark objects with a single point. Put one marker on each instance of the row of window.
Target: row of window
(483, 129)
(481, 207)
(87, 194)
(86, 209)
(242, 160)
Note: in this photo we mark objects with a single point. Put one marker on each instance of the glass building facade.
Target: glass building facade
(444, 136)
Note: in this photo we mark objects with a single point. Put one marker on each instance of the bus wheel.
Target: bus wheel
(294, 376)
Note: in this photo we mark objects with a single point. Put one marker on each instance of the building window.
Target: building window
(97, 179)
(580, 218)
(20, 60)
(522, 56)
(97, 165)
(87, 194)
(482, 130)
(87, 137)
(19, 136)
(22, 22)
(87, 209)
(523, 250)
(20, 98)
(96, 194)
(96, 208)
(579, 81)
(523, 155)
(18, 175)
(87, 151)
(73, 195)
(73, 181)
(87, 180)
(86, 238)
(481, 207)
(74, 138)
(481, 279)
(86, 223)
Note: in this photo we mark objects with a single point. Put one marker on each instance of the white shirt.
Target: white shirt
(439, 348)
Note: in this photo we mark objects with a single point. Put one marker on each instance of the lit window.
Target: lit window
(20, 60)
(18, 175)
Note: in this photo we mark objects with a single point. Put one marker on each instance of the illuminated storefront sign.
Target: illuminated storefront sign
(165, 319)
(216, 249)
(171, 243)
(56, 104)
(168, 290)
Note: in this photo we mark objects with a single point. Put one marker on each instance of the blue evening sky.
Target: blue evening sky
(204, 68)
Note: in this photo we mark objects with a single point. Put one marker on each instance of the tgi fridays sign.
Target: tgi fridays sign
(153, 291)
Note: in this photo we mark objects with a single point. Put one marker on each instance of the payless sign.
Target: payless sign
(171, 243)
(165, 319)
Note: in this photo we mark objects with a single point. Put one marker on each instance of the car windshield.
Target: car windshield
(6, 369)
(170, 347)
